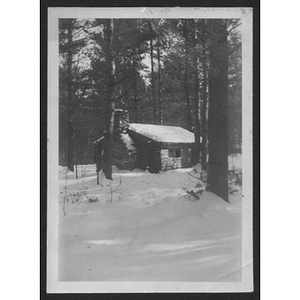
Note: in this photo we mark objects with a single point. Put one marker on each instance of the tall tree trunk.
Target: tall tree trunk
(159, 85)
(110, 103)
(204, 108)
(196, 100)
(152, 74)
(70, 155)
(217, 176)
(97, 160)
(186, 77)
(135, 95)
(187, 96)
(204, 117)
(197, 147)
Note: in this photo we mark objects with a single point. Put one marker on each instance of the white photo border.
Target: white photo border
(55, 286)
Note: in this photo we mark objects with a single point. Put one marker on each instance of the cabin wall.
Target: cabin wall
(168, 163)
(142, 156)
(155, 156)
(148, 157)
(148, 152)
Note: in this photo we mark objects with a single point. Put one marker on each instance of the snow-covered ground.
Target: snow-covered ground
(144, 227)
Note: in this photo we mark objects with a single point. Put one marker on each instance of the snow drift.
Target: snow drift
(144, 227)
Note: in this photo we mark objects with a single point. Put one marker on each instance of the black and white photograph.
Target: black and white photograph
(150, 150)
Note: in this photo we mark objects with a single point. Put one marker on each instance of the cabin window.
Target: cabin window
(174, 152)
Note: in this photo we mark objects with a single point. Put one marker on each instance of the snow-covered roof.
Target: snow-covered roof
(162, 133)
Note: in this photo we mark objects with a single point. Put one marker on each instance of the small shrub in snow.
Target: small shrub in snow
(77, 197)
(198, 177)
(92, 199)
(199, 174)
(194, 194)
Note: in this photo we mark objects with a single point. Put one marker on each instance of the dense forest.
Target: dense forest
(184, 72)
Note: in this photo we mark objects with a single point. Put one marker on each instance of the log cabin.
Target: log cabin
(150, 147)
(160, 147)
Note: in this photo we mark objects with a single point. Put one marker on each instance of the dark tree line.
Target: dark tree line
(184, 72)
